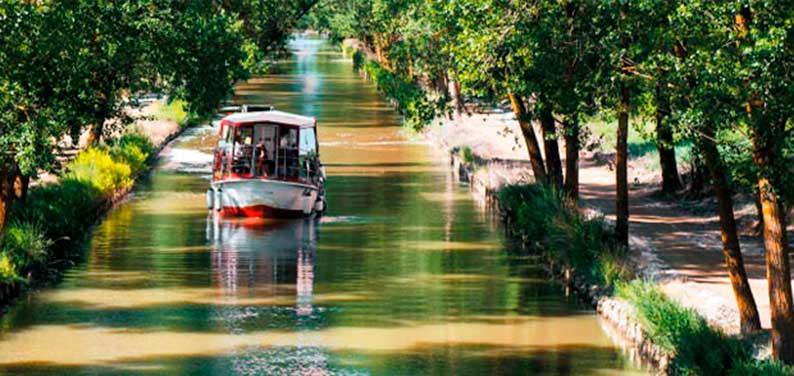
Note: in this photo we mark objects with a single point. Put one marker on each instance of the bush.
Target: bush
(25, 244)
(761, 368)
(532, 209)
(65, 210)
(175, 111)
(97, 167)
(132, 149)
(8, 271)
(414, 103)
(359, 60)
(61, 210)
(698, 348)
(468, 155)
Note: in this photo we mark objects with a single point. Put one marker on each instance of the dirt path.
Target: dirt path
(677, 243)
(681, 248)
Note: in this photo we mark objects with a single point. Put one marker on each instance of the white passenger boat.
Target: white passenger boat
(267, 165)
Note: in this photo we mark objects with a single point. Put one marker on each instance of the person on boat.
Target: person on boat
(261, 158)
(242, 154)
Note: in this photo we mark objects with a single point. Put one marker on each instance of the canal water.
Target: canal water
(405, 275)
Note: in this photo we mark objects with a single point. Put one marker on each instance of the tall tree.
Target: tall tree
(750, 321)
(740, 60)
(494, 61)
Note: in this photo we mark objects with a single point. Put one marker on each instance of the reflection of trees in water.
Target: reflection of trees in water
(270, 261)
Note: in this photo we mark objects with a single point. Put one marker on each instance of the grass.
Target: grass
(551, 224)
(61, 213)
(699, 349)
(604, 131)
(760, 368)
(554, 225)
(24, 247)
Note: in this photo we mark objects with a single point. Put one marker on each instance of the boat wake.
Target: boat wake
(343, 219)
(187, 160)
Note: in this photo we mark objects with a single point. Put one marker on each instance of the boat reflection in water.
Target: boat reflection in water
(263, 256)
(265, 272)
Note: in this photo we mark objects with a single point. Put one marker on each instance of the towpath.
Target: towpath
(676, 242)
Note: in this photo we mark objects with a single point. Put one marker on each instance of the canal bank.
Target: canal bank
(483, 150)
(48, 224)
(486, 153)
(405, 275)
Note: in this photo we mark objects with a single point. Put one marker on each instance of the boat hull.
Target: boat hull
(263, 198)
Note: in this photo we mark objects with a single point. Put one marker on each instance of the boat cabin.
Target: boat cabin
(269, 145)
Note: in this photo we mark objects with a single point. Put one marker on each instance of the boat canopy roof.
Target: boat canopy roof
(277, 117)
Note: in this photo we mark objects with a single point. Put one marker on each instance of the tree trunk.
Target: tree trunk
(454, 94)
(96, 132)
(6, 193)
(551, 147)
(671, 181)
(21, 185)
(731, 248)
(697, 174)
(533, 148)
(766, 151)
(778, 274)
(621, 169)
(572, 157)
(759, 209)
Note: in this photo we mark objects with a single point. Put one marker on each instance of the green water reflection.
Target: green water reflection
(405, 275)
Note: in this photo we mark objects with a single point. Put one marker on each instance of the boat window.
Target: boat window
(288, 163)
(309, 164)
(243, 150)
(265, 149)
(225, 132)
(308, 144)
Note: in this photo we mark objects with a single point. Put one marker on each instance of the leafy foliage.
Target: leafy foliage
(24, 246)
(546, 218)
(64, 210)
(418, 106)
(95, 166)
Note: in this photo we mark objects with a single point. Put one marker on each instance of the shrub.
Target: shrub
(25, 244)
(132, 149)
(698, 348)
(761, 368)
(418, 107)
(95, 166)
(8, 272)
(60, 210)
(66, 209)
(532, 208)
(175, 111)
(468, 155)
(359, 60)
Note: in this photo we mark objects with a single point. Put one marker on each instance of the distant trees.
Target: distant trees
(68, 65)
(715, 73)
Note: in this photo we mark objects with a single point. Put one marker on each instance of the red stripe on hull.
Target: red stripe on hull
(260, 211)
